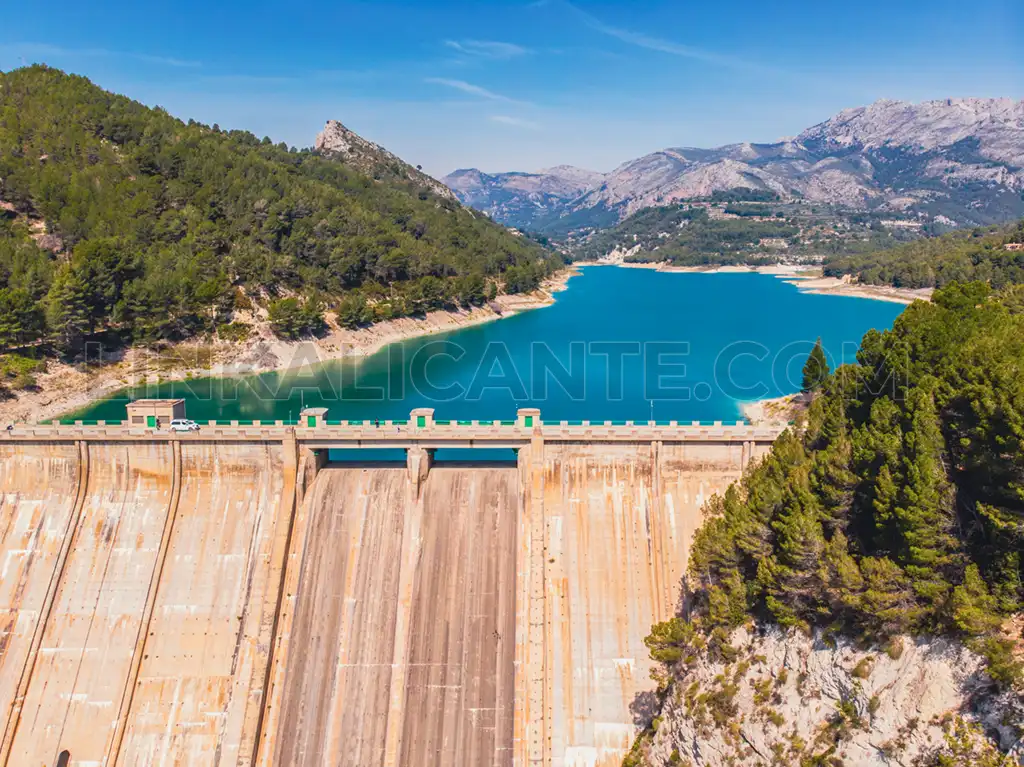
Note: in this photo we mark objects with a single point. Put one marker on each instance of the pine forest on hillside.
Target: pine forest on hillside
(898, 507)
(118, 217)
(993, 255)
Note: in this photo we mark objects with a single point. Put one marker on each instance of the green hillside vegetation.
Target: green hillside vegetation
(898, 507)
(743, 194)
(977, 254)
(118, 217)
(686, 237)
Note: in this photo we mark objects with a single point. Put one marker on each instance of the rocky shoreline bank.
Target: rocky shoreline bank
(808, 279)
(66, 388)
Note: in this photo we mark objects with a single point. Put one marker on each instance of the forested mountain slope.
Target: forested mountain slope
(113, 214)
(992, 255)
(685, 235)
(897, 509)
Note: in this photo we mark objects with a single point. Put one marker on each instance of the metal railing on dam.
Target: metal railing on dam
(421, 430)
(229, 596)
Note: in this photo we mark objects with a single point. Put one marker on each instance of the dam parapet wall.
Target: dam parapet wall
(403, 433)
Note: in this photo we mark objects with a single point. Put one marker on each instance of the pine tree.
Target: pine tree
(791, 577)
(876, 460)
(20, 318)
(841, 575)
(974, 607)
(887, 605)
(727, 601)
(101, 268)
(834, 483)
(816, 369)
(67, 308)
(925, 513)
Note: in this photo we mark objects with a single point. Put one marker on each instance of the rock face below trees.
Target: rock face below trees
(787, 698)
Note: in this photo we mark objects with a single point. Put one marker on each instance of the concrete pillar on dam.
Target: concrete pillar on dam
(313, 417)
(422, 418)
(528, 418)
(531, 742)
(310, 461)
(418, 461)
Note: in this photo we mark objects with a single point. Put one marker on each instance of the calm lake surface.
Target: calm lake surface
(697, 346)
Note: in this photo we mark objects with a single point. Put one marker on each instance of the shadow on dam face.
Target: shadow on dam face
(404, 621)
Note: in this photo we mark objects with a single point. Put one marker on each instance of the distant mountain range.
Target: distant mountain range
(957, 159)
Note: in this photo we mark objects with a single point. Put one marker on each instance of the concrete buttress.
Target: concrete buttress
(18, 470)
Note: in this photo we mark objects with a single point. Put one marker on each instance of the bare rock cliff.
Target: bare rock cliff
(788, 698)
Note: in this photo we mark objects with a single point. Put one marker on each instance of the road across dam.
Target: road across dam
(232, 597)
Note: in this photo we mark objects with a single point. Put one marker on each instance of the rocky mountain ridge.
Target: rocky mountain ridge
(373, 160)
(958, 158)
(522, 200)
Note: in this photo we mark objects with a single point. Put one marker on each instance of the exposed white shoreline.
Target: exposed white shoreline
(807, 279)
(773, 411)
(64, 389)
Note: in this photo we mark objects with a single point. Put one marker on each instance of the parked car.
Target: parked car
(182, 424)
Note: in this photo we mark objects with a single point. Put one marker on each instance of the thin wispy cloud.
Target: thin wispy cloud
(487, 49)
(515, 122)
(350, 75)
(248, 79)
(34, 50)
(473, 90)
(660, 45)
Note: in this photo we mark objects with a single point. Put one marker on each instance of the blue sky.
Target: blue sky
(506, 85)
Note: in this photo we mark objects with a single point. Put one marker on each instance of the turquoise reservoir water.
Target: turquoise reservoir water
(619, 344)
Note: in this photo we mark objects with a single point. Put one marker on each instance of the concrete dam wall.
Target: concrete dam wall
(402, 637)
(153, 646)
(239, 600)
(619, 525)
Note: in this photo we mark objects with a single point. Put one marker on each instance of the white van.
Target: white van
(182, 424)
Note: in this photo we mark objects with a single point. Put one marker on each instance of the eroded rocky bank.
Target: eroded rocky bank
(65, 388)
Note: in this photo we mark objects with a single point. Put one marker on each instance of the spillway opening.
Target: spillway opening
(366, 455)
(449, 456)
(474, 456)
(404, 625)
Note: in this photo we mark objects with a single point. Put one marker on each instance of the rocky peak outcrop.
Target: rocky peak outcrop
(787, 697)
(373, 160)
(581, 178)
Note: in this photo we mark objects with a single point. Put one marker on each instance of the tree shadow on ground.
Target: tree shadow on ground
(644, 708)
